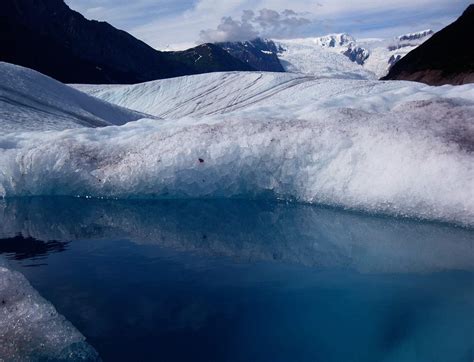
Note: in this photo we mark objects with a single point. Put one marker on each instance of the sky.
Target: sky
(180, 24)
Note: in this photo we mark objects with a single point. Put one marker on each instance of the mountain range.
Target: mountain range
(47, 36)
(445, 58)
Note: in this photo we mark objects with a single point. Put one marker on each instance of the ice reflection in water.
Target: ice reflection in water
(243, 280)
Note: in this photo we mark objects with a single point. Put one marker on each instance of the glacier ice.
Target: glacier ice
(342, 56)
(30, 327)
(385, 52)
(260, 95)
(415, 160)
(313, 56)
(32, 101)
(400, 148)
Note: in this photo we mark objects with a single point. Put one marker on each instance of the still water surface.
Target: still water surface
(235, 280)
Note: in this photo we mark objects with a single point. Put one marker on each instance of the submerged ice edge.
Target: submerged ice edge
(30, 327)
(416, 161)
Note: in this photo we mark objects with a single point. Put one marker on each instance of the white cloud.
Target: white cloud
(264, 23)
(229, 30)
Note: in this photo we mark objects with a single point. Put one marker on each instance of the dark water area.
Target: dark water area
(235, 280)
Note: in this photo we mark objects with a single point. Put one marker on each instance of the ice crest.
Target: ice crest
(407, 162)
(397, 148)
(32, 101)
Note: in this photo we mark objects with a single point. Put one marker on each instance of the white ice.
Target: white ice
(400, 148)
(260, 95)
(32, 101)
(323, 56)
(307, 56)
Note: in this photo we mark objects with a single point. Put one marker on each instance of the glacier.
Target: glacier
(397, 148)
(313, 56)
(30, 327)
(264, 95)
(343, 56)
(32, 101)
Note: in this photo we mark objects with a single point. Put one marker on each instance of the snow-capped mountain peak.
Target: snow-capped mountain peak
(417, 35)
(334, 40)
(334, 55)
(373, 57)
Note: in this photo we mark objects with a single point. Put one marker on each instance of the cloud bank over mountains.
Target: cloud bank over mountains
(264, 23)
(177, 24)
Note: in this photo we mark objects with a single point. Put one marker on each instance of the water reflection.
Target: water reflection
(235, 280)
(246, 231)
(21, 248)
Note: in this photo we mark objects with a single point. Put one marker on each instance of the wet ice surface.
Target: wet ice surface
(240, 280)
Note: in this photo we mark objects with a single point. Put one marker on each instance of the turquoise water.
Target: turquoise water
(235, 280)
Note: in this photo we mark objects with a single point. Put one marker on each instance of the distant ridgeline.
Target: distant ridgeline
(446, 58)
(46, 35)
(260, 54)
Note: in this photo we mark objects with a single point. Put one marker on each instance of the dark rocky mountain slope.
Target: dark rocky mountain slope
(446, 58)
(46, 35)
(208, 58)
(260, 54)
